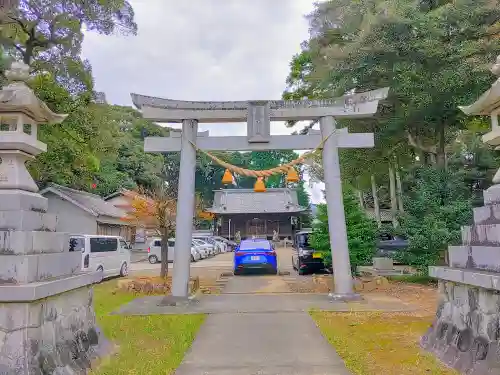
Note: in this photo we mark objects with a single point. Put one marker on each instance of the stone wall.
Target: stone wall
(52, 336)
(466, 331)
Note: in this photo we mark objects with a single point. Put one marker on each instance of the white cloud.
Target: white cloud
(202, 50)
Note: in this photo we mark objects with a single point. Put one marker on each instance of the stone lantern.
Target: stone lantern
(47, 321)
(466, 332)
(20, 113)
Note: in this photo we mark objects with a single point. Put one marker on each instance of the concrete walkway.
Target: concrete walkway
(257, 327)
(260, 342)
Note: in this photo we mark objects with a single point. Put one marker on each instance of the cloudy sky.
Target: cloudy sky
(203, 50)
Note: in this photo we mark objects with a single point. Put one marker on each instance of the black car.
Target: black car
(305, 259)
(390, 246)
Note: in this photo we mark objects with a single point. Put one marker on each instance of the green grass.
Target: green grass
(414, 279)
(151, 345)
(380, 343)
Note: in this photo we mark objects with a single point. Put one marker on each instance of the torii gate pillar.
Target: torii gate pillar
(336, 216)
(185, 209)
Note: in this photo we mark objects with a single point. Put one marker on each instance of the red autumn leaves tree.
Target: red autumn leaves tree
(155, 210)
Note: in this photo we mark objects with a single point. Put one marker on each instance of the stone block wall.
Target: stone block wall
(466, 331)
(47, 320)
(56, 335)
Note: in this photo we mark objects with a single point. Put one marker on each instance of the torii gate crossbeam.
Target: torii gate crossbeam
(258, 115)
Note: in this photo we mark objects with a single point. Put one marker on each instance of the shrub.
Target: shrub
(361, 232)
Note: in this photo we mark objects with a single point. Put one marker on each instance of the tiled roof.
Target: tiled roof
(240, 201)
(89, 202)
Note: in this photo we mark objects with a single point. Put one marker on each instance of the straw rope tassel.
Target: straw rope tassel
(264, 173)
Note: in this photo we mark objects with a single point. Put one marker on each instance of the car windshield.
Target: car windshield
(303, 240)
(252, 245)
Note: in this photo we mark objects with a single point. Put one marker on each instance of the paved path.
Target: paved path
(257, 327)
(262, 342)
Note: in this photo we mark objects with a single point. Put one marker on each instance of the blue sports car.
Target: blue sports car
(255, 254)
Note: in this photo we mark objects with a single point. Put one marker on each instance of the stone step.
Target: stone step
(14, 200)
(492, 195)
(27, 220)
(481, 235)
(16, 242)
(24, 269)
(478, 278)
(485, 258)
(489, 214)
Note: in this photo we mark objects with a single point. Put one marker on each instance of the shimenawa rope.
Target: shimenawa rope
(264, 173)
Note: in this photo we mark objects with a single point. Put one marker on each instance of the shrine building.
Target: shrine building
(256, 214)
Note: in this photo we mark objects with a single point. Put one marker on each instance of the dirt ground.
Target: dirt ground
(422, 297)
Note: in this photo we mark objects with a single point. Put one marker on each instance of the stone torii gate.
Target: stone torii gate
(258, 115)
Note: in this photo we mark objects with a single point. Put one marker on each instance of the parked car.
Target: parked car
(390, 246)
(209, 248)
(219, 246)
(108, 254)
(154, 251)
(304, 258)
(230, 245)
(220, 243)
(202, 248)
(255, 254)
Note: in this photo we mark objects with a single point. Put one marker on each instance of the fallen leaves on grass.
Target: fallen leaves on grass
(379, 343)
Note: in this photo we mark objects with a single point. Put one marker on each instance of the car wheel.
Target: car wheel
(100, 269)
(301, 271)
(153, 259)
(124, 270)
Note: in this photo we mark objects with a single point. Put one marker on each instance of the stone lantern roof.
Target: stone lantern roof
(17, 97)
(489, 102)
(489, 105)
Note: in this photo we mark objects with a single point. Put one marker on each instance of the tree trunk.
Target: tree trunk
(440, 154)
(399, 187)
(376, 207)
(432, 158)
(361, 200)
(164, 253)
(392, 189)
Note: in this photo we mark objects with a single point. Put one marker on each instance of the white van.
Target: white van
(109, 254)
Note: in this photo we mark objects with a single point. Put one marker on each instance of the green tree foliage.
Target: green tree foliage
(96, 144)
(375, 43)
(437, 204)
(361, 232)
(48, 34)
(434, 56)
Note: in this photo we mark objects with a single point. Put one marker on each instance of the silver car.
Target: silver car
(203, 245)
